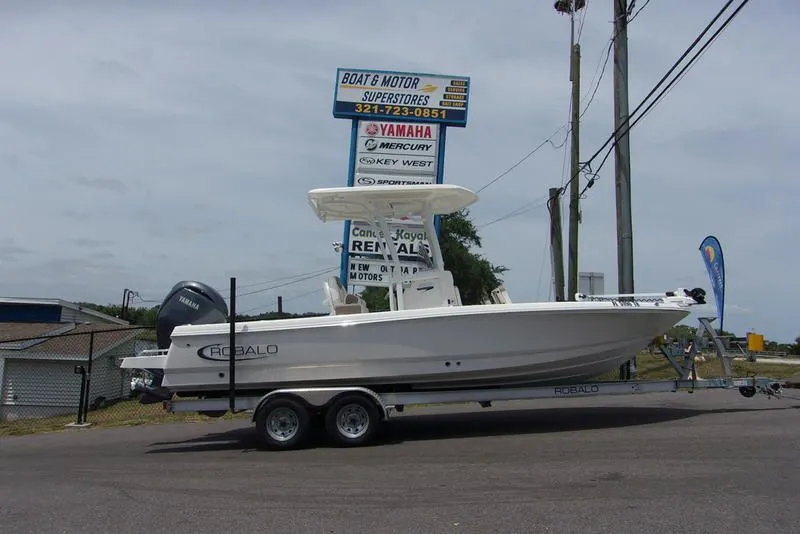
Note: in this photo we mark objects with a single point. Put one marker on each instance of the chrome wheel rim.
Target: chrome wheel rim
(282, 424)
(352, 421)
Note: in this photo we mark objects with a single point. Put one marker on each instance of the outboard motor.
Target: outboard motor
(188, 302)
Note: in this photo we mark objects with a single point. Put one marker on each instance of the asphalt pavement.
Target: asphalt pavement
(701, 462)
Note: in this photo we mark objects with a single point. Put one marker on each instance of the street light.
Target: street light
(566, 6)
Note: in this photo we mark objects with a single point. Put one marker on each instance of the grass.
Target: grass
(656, 367)
(131, 413)
(123, 413)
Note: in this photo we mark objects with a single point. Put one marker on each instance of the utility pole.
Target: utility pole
(571, 7)
(622, 162)
(556, 246)
(127, 296)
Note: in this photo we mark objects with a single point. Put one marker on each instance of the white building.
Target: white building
(42, 341)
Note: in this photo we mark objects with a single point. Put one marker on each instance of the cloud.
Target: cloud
(107, 184)
(11, 252)
(90, 243)
(145, 144)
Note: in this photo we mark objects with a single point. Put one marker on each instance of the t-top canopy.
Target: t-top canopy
(390, 201)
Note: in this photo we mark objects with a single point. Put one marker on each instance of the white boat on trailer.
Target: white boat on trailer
(353, 365)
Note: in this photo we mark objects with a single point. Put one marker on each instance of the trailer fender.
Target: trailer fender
(318, 398)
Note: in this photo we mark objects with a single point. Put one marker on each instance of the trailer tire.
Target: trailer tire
(352, 420)
(283, 423)
(747, 391)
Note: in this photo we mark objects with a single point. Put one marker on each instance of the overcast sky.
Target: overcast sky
(146, 142)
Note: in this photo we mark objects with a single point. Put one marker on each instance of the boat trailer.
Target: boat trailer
(351, 416)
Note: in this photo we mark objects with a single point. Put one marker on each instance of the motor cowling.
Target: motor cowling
(188, 302)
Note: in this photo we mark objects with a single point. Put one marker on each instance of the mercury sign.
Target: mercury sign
(401, 96)
(401, 147)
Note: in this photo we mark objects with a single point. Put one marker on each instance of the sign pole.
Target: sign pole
(351, 166)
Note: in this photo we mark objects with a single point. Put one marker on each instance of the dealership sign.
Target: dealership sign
(409, 238)
(401, 147)
(402, 96)
(369, 178)
(399, 122)
(363, 272)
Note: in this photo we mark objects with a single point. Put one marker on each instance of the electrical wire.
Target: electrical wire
(604, 61)
(285, 299)
(525, 208)
(528, 155)
(566, 125)
(614, 135)
(295, 279)
(583, 20)
(665, 91)
(602, 73)
(281, 279)
(638, 10)
(285, 284)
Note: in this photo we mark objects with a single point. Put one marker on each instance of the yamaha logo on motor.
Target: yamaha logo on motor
(371, 129)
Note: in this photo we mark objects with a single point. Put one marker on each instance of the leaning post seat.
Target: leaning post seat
(339, 301)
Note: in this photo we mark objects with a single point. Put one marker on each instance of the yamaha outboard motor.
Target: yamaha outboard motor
(188, 302)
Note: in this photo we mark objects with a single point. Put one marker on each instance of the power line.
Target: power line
(638, 10)
(295, 279)
(273, 280)
(303, 279)
(593, 92)
(660, 97)
(285, 299)
(675, 65)
(525, 208)
(612, 137)
(580, 28)
(590, 95)
(528, 155)
(602, 73)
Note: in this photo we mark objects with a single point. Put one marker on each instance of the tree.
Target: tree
(474, 275)
(795, 349)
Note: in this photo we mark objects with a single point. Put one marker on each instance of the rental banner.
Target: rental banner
(711, 251)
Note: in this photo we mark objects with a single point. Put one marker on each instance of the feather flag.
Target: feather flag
(711, 250)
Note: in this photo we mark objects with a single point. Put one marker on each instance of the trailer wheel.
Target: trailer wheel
(352, 420)
(283, 423)
(747, 391)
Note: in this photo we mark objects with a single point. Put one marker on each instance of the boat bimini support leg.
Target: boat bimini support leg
(380, 226)
(430, 231)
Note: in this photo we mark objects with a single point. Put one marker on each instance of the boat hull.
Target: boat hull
(474, 346)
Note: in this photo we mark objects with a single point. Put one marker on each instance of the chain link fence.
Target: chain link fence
(72, 375)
